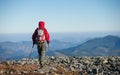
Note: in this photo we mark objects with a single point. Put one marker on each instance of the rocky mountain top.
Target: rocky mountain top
(98, 65)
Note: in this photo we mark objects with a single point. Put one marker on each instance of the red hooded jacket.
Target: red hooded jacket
(41, 26)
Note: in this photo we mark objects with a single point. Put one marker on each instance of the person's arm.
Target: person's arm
(34, 36)
(47, 36)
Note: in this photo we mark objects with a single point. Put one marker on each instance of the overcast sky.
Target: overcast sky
(22, 16)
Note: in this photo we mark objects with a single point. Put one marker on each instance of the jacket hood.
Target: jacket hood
(41, 24)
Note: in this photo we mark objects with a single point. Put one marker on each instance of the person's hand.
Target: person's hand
(48, 42)
(33, 42)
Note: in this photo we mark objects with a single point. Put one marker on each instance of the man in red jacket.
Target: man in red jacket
(40, 37)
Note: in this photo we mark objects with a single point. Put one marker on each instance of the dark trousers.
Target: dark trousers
(41, 51)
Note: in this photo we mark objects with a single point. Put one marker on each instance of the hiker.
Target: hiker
(40, 37)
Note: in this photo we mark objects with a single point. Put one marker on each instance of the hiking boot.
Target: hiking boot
(40, 66)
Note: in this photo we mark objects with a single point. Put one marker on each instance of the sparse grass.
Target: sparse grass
(18, 69)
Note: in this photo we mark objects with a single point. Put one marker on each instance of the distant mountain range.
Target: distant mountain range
(13, 50)
(103, 46)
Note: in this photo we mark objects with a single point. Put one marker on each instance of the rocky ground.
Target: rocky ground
(63, 66)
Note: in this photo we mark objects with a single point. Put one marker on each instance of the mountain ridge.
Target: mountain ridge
(11, 50)
(103, 46)
(107, 45)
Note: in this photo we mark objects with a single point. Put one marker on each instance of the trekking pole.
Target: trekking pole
(30, 54)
